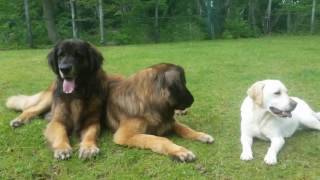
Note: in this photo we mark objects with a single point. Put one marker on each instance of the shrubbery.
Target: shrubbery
(134, 21)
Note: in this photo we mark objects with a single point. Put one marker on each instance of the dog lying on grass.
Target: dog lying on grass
(141, 108)
(138, 109)
(268, 113)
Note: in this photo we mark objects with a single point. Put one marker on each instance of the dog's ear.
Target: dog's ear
(255, 92)
(160, 81)
(171, 76)
(166, 79)
(53, 60)
(95, 58)
(175, 82)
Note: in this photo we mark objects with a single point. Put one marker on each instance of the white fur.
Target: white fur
(257, 121)
(22, 102)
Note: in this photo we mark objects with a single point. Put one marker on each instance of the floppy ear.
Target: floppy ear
(178, 90)
(160, 81)
(171, 76)
(166, 80)
(95, 58)
(174, 79)
(53, 60)
(255, 92)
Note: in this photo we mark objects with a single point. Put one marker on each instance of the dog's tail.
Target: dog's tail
(22, 102)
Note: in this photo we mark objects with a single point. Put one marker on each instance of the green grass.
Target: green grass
(218, 75)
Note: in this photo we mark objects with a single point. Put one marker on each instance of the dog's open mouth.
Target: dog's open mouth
(278, 112)
(68, 86)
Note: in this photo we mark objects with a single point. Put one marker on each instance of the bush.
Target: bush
(182, 29)
(238, 28)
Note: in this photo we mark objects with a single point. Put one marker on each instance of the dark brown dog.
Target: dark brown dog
(77, 98)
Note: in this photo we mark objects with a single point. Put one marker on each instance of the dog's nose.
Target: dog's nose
(293, 104)
(65, 69)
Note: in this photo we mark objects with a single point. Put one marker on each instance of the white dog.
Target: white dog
(268, 113)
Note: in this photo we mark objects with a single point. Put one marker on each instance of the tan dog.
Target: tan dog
(141, 108)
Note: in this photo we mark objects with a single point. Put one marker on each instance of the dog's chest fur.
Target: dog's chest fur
(76, 109)
(77, 113)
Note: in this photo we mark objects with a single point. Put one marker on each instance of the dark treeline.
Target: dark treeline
(37, 23)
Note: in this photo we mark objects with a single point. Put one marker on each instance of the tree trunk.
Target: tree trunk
(312, 24)
(73, 16)
(268, 18)
(210, 24)
(227, 5)
(156, 21)
(28, 22)
(102, 41)
(252, 15)
(289, 19)
(199, 7)
(48, 15)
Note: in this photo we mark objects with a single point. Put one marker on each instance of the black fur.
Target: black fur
(86, 61)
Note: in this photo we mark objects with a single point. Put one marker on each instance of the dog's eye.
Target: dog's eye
(278, 93)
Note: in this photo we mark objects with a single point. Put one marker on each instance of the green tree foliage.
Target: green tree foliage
(148, 21)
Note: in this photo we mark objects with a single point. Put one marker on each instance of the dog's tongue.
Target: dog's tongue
(68, 86)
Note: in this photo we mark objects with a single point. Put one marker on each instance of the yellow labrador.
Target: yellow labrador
(269, 113)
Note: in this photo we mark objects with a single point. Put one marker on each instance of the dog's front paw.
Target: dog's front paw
(181, 112)
(270, 159)
(63, 153)
(87, 152)
(16, 123)
(48, 116)
(183, 155)
(246, 156)
(206, 138)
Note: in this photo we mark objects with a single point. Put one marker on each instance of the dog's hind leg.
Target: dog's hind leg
(42, 105)
(188, 133)
(131, 133)
(311, 121)
(306, 116)
(22, 102)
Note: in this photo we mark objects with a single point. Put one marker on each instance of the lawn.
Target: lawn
(218, 74)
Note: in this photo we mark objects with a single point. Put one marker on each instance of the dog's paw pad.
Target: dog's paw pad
(206, 138)
(183, 155)
(88, 152)
(16, 123)
(246, 156)
(62, 154)
(270, 160)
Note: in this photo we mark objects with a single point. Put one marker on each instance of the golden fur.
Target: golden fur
(139, 110)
